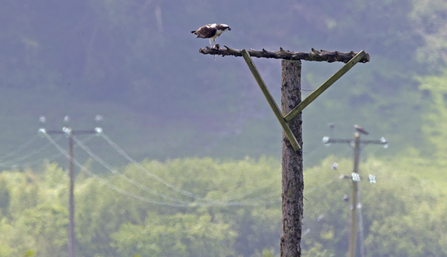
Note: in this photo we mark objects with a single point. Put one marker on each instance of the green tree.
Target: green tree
(428, 21)
(401, 214)
(176, 235)
(435, 116)
(247, 227)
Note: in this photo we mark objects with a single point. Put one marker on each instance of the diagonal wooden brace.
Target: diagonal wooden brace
(271, 101)
(309, 99)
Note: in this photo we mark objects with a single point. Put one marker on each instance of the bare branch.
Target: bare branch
(314, 55)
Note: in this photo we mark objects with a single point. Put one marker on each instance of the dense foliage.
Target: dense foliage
(210, 208)
(230, 209)
(402, 215)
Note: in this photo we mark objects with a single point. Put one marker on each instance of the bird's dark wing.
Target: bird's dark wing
(205, 32)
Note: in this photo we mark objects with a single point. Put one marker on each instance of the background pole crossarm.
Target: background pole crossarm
(270, 100)
(292, 114)
(82, 132)
(55, 132)
(340, 141)
(74, 132)
(378, 142)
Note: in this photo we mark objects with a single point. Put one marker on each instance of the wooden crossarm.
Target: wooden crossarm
(313, 55)
(310, 98)
(270, 100)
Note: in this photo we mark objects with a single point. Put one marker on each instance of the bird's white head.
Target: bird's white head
(221, 28)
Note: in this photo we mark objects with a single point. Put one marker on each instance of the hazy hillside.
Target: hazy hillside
(137, 64)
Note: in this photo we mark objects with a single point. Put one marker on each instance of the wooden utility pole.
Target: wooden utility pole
(290, 120)
(69, 132)
(354, 196)
(292, 162)
(355, 206)
(71, 234)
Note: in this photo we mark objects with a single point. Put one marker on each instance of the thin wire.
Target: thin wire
(249, 192)
(184, 192)
(125, 155)
(49, 158)
(114, 171)
(18, 149)
(218, 202)
(32, 153)
(322, 185)
(105, 182)
(305, 192)
(266, 196)
(144, 199)
(375, 150)
(31, 163)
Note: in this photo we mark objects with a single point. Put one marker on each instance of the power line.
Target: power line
(81, 143)
(103, 181)
(125, 155)
(40, 160)
(321, 185)
(249, 192)
(114, 171)
(18, 149)
(32, 153)
(184, 192)
(249, 202)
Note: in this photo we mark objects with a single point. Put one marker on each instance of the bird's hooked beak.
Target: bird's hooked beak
(229, 28)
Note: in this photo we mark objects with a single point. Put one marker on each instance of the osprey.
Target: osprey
(360, 129)
(211, 31)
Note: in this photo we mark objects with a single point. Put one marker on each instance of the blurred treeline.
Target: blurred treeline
(205, 207)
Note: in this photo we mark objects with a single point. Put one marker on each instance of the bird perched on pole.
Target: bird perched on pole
(331, 127)
(211, 31)
(360, 129)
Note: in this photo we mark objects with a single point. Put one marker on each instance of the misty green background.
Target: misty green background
(204, 125)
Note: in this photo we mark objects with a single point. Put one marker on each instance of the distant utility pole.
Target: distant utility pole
(355, 177)
(69, 132)
(289, 117)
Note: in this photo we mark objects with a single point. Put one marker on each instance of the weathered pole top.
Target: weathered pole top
(314, 55)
